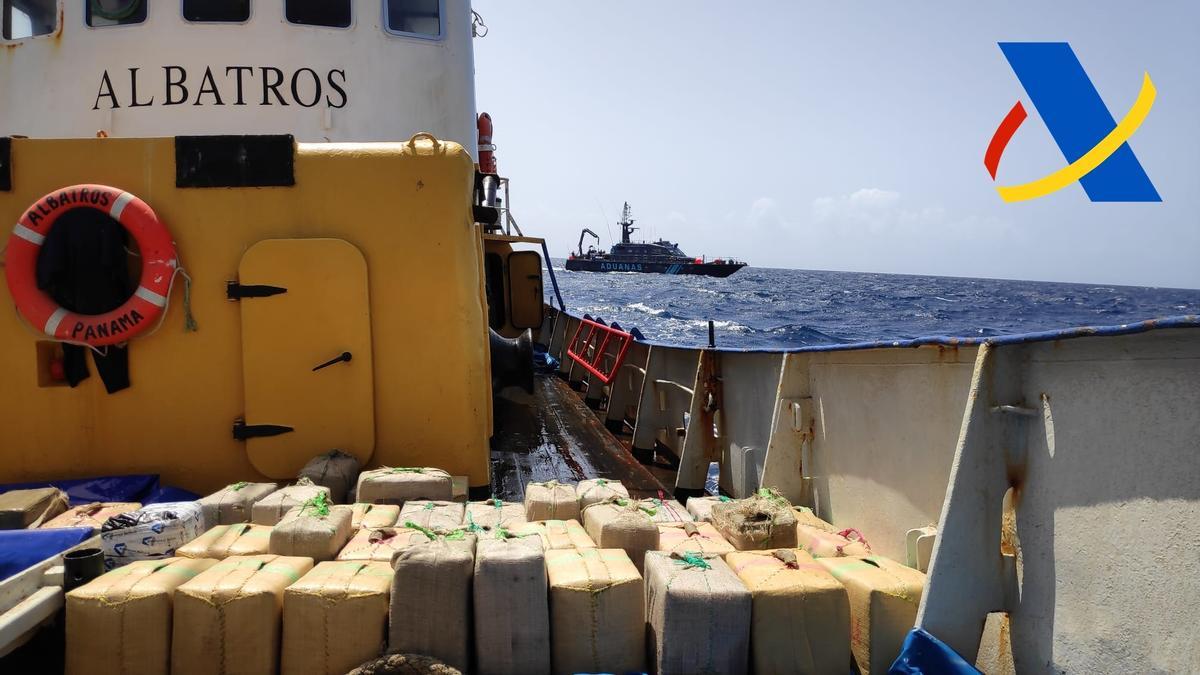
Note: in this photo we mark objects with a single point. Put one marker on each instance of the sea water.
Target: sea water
(763, 307)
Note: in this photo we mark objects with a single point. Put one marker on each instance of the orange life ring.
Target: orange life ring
(160, 263)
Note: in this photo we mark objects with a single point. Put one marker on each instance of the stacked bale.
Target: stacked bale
(335, 617)
(666, 511)
(20, 509)
(432, 515)
(701, 507)
(383, 544)
(121, 621)
(624, 524)
(701, 538)
(150, 533)
(594, 490)
(227, 618)
(512, 621)
(763, 521)
(396, 485)
(823, 540)
(335, 470)
(405, 664)
(90, 515)
(801, 615)
(315, 529)
(270, 509)
(551, 501)
(698, 613)
(493, 513)
(373, 516)
(884, 597)
(224, 541)
(557, 534)
(597, 612)
(233, 503)
(431, 600)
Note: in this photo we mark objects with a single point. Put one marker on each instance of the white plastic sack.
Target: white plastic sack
(150, 533)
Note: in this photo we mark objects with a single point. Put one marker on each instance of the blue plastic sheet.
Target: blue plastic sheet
(142, 488)
(21, 549)
(923, 654)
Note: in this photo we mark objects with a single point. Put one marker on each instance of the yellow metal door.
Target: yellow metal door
(525, 289)
(306, 353)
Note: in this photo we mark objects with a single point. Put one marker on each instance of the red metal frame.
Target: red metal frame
(594, 365)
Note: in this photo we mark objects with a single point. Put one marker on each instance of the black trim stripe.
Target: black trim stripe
(234, 161)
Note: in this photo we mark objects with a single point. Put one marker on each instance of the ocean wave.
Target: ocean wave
(643, 307)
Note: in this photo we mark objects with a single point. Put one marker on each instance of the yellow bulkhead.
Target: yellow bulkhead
(387, 267)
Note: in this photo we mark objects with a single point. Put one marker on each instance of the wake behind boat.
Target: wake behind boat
(660, 257)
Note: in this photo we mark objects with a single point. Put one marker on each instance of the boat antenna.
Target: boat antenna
(604, 212)
(626, 224)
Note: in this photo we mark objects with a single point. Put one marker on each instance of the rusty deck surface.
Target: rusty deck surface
(554, 436)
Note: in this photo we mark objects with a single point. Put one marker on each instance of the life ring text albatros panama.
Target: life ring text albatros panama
(140, 311)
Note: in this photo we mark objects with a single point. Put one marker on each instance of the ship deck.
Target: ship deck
(553, 435)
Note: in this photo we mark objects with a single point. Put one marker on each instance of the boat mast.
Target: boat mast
(626, 224)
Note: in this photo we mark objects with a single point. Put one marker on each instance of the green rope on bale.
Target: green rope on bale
(457, 535)
(723, 498)
(406, 469)
(693, 560)
(773, 495)
(471, 526)
(238, 485)
(423, 530)
(430, 506)
(496, 502)
(318, 505)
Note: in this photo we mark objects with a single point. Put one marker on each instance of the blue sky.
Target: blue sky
(836, 135)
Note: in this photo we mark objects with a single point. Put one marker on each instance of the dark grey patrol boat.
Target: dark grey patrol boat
(660, 257)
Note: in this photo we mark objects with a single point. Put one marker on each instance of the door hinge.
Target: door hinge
(243, 431)
(236, 291)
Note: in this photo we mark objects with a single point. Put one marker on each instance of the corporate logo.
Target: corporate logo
(1095, 145)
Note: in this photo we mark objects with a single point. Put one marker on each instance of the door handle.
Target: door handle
(343, 357)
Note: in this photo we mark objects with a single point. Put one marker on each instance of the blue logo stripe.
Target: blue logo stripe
(1077, 118)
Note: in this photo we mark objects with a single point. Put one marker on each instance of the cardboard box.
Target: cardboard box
(336, 617)
(121, 621)
(227, 619)
(597, 612)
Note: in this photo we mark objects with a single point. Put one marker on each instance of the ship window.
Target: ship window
(414, 17)
(27, 18)
(114, 12)
(217, 11)
(332, 13)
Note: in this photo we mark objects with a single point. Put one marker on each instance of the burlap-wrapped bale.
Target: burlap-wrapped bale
(551, 500)
(801, 615)
(335, 470)
(373, 516)
(884, 597)
(493, 513)
(595, 490)
(335, 617)
(233, 503)
(597, 612)
(314, 530)
(805, 516)
(396, 485)
(431, 600)
(151, 533)
(666, 511)
(227, 619)
(382, 544)
(120, 622)
(762, 521)
(820, 543)
(700, 538)
(223, 541)
(271, 509)
(20, 509)
(556, 534)
(701, 507)
(698, 614)
(512, 615)
(432, 515)
(623, 524)
(405, 664)
(90, 515)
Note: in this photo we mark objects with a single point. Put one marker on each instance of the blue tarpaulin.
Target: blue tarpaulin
(142, 488)
(923, 654)
(20, 549)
